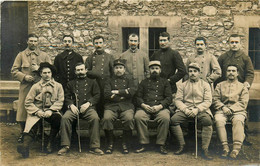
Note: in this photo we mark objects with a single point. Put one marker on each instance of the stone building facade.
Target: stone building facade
(183, 19)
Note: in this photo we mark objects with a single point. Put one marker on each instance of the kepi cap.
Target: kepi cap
(195, 66)
(152, 63)
(119, 62)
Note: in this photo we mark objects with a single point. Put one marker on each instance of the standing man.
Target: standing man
(170, 60)
(136, 60)
(44, 101)
(230, 101)
(210, 69)
(65, 62)
(119, 91)
(153, 98)
(25, 70)
(193, 98)
(244, 65)
(88, 94)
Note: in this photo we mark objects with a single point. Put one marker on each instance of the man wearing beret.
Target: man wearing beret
(25, 70)
(84, 93)
(193, 98)
(230, 101)
(44, 101)
(153, 98)
(118, 92)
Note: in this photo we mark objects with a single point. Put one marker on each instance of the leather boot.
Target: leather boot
(109, 137)
(177, 131)
(50, 142)
(205, 155)
(23, 148)
(127, 134)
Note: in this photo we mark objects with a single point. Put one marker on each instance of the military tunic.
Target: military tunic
(23, 65)
(153, 92)
(87, 90)
(120, 105)
(65, 64)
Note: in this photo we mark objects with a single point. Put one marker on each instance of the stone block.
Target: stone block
(95, 12)
(209, 10)
(242, 6)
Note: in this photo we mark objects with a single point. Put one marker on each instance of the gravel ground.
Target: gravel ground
(9, 156)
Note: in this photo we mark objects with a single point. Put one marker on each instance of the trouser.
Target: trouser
(162, 118)
(204, 118)
(238, 134)
(91, 117)
(54, 121)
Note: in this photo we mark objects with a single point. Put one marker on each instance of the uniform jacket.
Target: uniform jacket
(194, 94)
(136, 64)
(210, 69)
(126, 88)
(232, 95)
(154, 92)
(23, 66)
(100, 66)
(50, 93)
(65, 65)
(171, 60)
(86, 89)
(244, 63)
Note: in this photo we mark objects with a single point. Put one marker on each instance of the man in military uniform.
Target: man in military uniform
(230, 101)
(193, 98)
(25, 70)
(44, 101)
(119, 91)
(153, 98)
(65, 62)
(244, 65)
(87, 92)
(136, 60)
(100, 67)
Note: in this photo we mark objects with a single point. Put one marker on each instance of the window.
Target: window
(254, 46)
(154, 39)
(125, 33)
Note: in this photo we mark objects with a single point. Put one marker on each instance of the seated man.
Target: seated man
(193, 98)
(230, 101)
(119, 91)
(153, 98)
(44, 101)
(88, 94)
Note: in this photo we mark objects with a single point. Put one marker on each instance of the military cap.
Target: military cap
(119, 62)
(195, 66)
(152, 63)
(47, 65)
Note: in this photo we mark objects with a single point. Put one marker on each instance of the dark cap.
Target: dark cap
(47, 65)
(154, 63)
(119, 62)
(195, 66)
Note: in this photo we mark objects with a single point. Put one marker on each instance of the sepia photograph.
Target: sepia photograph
(130, 82)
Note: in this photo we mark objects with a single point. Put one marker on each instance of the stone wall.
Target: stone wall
(86, 18)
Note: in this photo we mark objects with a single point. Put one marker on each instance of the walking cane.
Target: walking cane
(43, 106)
(196, 136)
(78, 126)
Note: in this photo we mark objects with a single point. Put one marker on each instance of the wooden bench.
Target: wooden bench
(9, 92)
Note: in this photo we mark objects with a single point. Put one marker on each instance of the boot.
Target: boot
(127, 134)
(49, 146)
(20, 138)
(110, 141)
(23, 148)
(206, 138)
(176, 130)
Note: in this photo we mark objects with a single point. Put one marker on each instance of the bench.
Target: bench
(9, 92)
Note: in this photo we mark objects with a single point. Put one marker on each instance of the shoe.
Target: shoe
(206, 156)
(96, 151)
(20, 139)
(125, 149)
(234, 154)
(140, 150)
(109, 149)
(180, 150)
(24, 150)
(63, 150)
(224, 154)
(48, 149)
(163, 150)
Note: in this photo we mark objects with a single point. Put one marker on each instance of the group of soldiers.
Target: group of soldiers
(133, 88)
